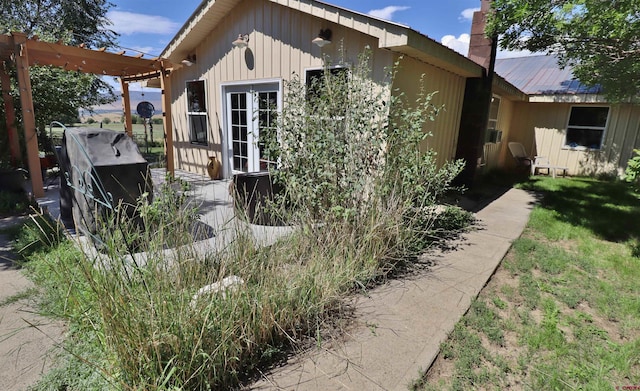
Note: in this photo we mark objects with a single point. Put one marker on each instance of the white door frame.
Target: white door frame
(249, 86)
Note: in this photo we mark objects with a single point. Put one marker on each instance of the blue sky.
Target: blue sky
(149, 25)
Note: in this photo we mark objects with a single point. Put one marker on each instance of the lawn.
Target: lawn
(562, 312)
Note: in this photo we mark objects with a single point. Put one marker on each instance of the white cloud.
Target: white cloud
(387, 12)
(459, 44)
(127, 23)
(467, 15)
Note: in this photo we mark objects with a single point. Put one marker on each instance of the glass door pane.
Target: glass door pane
(239, 131)
(267, 111)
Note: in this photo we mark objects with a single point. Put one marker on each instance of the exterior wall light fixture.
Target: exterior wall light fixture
(190, 60)
(242, 41)
(323, 38)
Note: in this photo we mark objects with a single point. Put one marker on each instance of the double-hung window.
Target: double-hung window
(493, 134)
(586, 127)
(197, 112)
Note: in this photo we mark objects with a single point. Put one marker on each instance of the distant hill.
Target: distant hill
(115, 108)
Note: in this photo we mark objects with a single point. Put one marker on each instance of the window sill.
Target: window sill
(580, 149)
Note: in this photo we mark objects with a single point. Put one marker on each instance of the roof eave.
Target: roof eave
(568, 98)
(426, 49)
(503, 88)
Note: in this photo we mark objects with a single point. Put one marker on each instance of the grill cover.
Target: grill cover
(101, 166)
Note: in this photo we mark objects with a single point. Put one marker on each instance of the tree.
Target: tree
(599, 39)
(74, 21)
(58, 94)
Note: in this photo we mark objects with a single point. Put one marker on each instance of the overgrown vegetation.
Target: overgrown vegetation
(346, 140)
(563, 310)
(12, 203)
(138, 322)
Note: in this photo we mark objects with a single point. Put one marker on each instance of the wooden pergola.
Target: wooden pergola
(26, 52)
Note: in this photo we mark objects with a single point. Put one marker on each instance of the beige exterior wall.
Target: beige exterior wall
(450, 94)
(279, 44)
(541, 127)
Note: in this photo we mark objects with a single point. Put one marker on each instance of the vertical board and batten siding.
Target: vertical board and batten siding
(542, 126)
(279, 44)
(450, 95)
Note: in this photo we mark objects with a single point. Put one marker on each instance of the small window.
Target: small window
(197, 112)
(493, 112)
(493, 134)
(316, 81)
(586, 127)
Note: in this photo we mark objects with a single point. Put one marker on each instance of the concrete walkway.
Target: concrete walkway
(28, 341)
(400, 325)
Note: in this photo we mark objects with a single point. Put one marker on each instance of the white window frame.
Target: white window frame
(493, 135)
(203, 113)
(565, 145)
(494, 121)
(234, 86)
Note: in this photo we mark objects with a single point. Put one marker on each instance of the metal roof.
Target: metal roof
(541, 75)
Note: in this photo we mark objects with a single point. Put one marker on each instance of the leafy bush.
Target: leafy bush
(632, 172)
(351, 141)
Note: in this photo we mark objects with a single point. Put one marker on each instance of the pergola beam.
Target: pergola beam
(165, 83)
(32, 52)
(28, 116)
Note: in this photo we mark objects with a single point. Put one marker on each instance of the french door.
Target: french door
(251, 113)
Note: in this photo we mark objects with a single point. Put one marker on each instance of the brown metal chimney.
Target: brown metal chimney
(480, 45)
(477, 98)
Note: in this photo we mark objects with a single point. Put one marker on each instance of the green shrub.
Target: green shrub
(12, 203)
(354, 142)
(632, 172)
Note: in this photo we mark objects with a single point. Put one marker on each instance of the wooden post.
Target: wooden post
(28, 116)
(165, 84)
(126, 107)
(10, 115)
